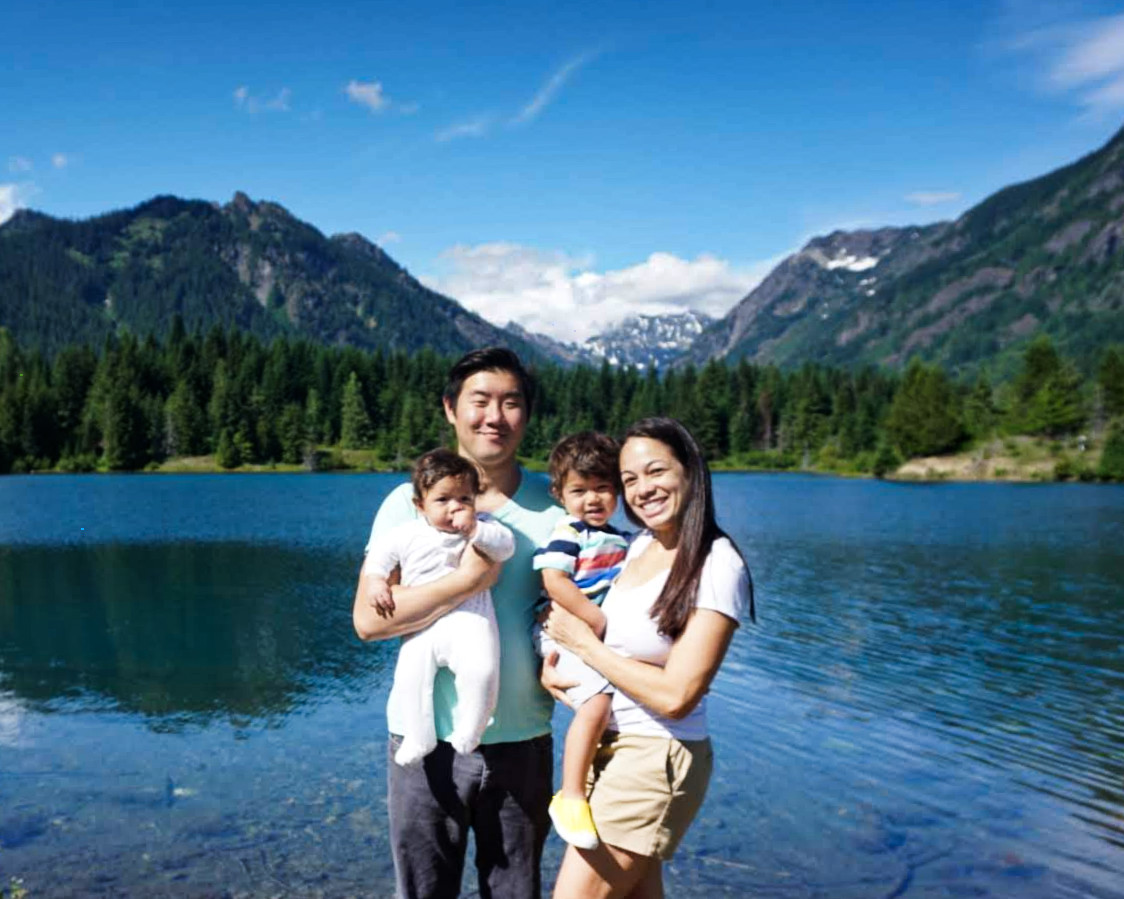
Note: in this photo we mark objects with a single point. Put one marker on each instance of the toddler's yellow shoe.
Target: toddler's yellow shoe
(574, 822)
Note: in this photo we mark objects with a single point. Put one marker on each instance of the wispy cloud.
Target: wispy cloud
(369, 94)
(549, 91)
(1082, 59)
(563, 295)
(388, 237)
(372, 95)
(279, 102)
(932, 197)
(60, 160)
(19, 164)
(477, 127)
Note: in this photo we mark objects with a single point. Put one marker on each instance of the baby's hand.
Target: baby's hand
(465, 522)
(380, 597)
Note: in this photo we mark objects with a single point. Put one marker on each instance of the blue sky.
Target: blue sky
(559, 164)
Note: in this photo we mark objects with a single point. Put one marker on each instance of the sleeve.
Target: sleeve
(561, 551)
(493, 539)
(724, 584)
(385, 554)
(396, 509)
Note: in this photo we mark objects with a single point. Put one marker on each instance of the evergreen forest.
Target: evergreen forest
(244, 401)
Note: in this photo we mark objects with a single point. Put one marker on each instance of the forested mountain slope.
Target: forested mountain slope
(1045, 256)
(249, 265)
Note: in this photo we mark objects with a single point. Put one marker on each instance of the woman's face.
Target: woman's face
(655, 484)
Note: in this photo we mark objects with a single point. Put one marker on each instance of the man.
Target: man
(502, 790)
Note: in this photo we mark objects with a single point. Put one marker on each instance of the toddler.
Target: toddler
(466, 640)
(578, 564)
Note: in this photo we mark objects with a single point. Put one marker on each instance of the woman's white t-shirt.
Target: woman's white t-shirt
(631, 631)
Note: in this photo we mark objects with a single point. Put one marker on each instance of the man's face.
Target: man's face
(489, 417)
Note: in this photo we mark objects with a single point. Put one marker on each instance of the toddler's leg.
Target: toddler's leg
(413, 679)
(475, 663)
(569, 809)
(582, 740)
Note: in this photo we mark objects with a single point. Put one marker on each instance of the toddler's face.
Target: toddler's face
(449, 504)
(592, 499)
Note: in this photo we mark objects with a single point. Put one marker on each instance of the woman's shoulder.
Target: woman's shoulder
(724, 585)
(725, 554)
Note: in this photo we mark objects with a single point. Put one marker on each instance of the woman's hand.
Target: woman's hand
(567, 629)
(553, 682)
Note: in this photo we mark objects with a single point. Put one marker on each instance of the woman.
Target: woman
(671, 615)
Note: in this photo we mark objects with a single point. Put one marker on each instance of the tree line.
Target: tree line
(135, 403)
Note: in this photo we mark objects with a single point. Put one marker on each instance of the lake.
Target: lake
(932, 703)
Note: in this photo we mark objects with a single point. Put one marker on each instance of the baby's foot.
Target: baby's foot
(410, 753)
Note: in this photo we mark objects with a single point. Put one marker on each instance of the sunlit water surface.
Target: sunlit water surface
(931, 705)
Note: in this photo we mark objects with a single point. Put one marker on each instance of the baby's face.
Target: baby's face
(592, 499)
(448, 503)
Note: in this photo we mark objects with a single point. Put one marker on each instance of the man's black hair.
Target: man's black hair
(492, 358)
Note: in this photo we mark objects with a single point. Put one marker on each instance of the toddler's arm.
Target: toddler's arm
(558, 561)
(561, 589)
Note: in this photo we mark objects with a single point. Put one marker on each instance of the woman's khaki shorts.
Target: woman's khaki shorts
(646, 791)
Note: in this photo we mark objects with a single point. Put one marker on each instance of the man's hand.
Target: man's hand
(553, 682)
(482, 572)
(379, 597)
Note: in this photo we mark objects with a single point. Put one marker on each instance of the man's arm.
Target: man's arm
(418, 607)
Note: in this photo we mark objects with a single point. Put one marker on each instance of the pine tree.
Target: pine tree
(1110, 379)
(924, 417)
(355, 423)
(1112, 458)
(125, 429)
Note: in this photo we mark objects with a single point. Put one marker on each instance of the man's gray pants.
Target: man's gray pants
(501, 792)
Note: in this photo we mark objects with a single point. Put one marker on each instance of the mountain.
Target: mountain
(245, 264)
(640, 340)
(1043, 256)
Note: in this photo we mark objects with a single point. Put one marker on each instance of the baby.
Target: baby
(466, 640)
(578, 564)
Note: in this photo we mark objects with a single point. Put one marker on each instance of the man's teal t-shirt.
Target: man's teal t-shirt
(524, 707)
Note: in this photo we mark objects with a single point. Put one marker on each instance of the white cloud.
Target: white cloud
(19, 164)
(60, 160)
(369, 94)
(932, 197)
(13, 197)
(243, 99)
(550, 90)
(561, 295)
(388, 237)
(475, 128)
(1082, 59)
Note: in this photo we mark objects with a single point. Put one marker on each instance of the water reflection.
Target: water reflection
(179, 632)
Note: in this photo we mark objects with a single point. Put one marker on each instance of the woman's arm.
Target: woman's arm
(418, 607)
(671, 691)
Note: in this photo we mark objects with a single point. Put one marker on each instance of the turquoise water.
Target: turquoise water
(931, 705)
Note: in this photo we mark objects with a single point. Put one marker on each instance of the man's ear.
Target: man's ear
(450, 411)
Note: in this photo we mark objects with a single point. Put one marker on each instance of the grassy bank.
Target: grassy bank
(1017, 459)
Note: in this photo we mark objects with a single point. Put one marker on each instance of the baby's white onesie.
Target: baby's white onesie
(466, 640)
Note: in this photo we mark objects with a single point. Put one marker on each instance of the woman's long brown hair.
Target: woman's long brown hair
(698, 528)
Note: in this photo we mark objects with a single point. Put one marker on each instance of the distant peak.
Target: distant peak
(242, 203)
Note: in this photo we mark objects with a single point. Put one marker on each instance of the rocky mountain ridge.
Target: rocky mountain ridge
(1044, 256)
(245, 264)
